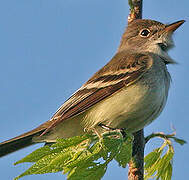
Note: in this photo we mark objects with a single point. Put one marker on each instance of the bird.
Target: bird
(129, 92)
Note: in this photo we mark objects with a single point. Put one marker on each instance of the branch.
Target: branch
(165, 137)
(135, 10)
(136, 164)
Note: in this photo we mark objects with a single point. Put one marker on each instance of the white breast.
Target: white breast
(133, 107)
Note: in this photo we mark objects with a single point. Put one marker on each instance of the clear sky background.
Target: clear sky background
(49, 48)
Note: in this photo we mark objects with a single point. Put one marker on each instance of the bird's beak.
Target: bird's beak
(172, 27)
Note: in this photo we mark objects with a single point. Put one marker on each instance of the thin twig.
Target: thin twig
(135, 10)
(136, 164)
(160, 135)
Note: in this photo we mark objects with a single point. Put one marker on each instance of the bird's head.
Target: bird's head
(144, 35)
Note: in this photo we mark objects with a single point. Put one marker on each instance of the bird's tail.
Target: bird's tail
(20, 142)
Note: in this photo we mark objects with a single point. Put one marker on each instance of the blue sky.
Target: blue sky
(48, 49)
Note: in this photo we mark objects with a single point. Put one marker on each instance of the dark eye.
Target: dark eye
(145, 33)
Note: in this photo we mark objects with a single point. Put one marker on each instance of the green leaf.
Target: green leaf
(55, 148)
(53, 159)
(96, 172)
(84, 158)
(125, 153)
(152, 158)
(39, 165)
(81, 157)
(168, 172)
(64, 143)
(158, 165)
(112, 145)
(180, 141)
(164, 162)
(36, 155)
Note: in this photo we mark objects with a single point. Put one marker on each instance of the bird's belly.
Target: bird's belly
(132, 108)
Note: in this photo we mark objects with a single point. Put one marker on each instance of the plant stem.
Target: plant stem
(135, 10)
(136, 164)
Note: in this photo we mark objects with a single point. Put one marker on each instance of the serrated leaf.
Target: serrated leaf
(52, 159)
(168, 172)
(96, 172)
(111, 143)
(36, 155)
(46, 150)
(152, 157)
(158, 165)
(180, 141)
(81, 157)
(86, 169)
(77, 160)
(64, 143)
(37, 166)
(163, 163)
(125, 154)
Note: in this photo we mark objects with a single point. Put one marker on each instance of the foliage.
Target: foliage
(87, 157)
(82, 157)
(158, 163)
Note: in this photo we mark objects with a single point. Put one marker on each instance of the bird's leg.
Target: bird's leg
(106, 127)
(121, 130)
(93, 130)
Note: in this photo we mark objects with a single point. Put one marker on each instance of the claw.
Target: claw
(121, 130)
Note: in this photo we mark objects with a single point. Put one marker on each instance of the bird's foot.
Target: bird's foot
(121, 130)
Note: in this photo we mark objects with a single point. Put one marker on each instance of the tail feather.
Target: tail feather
(14, 145)
(19, 142)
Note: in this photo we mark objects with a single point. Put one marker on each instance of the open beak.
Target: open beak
(172, 27)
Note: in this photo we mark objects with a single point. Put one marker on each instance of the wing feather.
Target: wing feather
(123, 70)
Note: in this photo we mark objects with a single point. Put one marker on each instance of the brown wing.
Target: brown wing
(123, 70)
